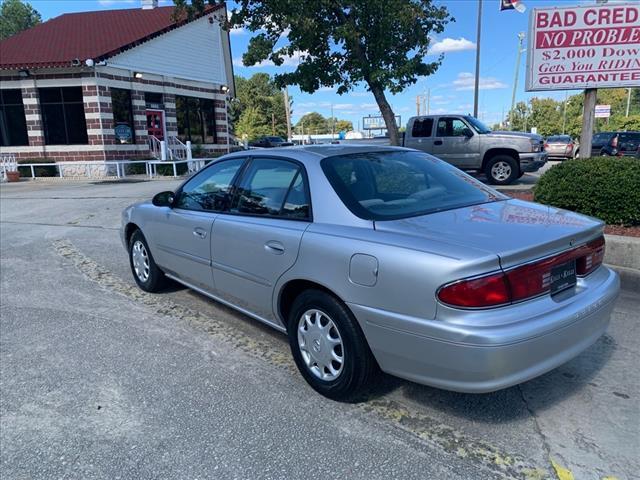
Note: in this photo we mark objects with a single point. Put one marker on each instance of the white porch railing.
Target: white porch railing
(116, 168)
(155, 147)
(8, 163)
(176, 149)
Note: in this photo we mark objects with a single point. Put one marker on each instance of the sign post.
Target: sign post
(588, 111)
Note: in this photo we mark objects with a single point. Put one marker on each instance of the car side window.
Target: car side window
(422, 127)
(210, 189)
(451, 127)
(274, 188)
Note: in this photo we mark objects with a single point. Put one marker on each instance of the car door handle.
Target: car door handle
(437, 142)
(200, 232)
(274, 247)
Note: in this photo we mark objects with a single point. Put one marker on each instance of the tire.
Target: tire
(144, 269)
(502, 170)
(346, 381)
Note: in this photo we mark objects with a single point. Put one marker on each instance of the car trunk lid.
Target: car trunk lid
(514, 230)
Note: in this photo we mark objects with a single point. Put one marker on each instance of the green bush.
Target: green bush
(44, 171)
(604, 187)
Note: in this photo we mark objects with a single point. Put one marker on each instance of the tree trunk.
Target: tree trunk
(387, 113)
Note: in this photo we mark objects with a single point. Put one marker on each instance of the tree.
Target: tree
(259, 108)
(545, 116)
(518, 117)
(16, 16)
(382, 43)
(344, 126)
(313, 124)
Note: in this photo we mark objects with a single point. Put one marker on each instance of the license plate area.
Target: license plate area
(562, 276)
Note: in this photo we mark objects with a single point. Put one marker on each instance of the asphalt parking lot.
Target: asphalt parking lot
(101, 380)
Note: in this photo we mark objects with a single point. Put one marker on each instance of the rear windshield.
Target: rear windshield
(397, 184)
(559, 139)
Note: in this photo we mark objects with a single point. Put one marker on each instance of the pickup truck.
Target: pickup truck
(468, 144)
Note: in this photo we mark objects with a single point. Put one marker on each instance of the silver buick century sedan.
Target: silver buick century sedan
(384, 258)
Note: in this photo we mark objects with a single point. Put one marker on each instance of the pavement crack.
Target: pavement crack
(72, 225)
(539, 432)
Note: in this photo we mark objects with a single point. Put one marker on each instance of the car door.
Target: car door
(183, 233)
(455, 142)
(420, 134)
(258, 240)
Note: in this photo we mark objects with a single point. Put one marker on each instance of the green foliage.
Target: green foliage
(546, 114)
(382, 43)
(604, 187)
(259, 109)
(16, 16)
(314, 123)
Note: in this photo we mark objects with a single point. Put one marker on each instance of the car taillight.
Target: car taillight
(520, 283)
(489, 291)
(593, 255)
(546, 145)
(569, 146)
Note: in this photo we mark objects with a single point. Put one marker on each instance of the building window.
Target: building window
(63, 116)
(196, 119)
(123, 126)
(153, 100)
(13, 123)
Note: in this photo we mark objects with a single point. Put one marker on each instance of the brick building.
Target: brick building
(109, 85)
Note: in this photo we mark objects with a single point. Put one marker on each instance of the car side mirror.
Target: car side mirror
(467, 132)
(163, 199)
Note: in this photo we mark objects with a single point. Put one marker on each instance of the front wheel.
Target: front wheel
(329, 347)
(145, 271)
(502, 170)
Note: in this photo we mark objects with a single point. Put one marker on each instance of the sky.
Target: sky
(450, 88)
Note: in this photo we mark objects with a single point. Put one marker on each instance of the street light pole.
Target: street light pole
(628, 102)
(477, 81)
(564, 113)
(515, 81)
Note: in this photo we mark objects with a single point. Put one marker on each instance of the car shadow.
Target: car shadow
(512, 403)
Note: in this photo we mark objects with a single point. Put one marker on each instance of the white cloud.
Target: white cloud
(466, 81)
(359, 94)
(452, 45)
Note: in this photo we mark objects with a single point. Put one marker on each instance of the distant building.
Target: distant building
(109, 85)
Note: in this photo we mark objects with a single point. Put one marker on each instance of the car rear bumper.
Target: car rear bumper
(488, 358)
(532, 162)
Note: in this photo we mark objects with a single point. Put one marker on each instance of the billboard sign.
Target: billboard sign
(603, 111)
(376, 123)
(576, 47)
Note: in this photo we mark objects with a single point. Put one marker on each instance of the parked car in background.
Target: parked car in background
(560, 147)
(615, 144)
(381, 257)
(270, 142)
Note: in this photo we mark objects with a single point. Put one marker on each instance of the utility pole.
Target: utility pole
(418, 100)
(588, 112)
(564, 112)
(287, 111)
(477, 83)
(273, 124)
(515, 81)
(628, 102)
(333, 122)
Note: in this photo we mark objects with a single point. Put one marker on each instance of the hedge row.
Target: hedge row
(604, 187)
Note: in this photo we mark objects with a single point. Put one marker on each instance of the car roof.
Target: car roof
(320, 151)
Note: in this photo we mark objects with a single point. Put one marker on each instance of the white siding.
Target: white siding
(193, 51)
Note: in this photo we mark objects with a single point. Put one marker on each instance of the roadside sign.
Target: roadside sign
(377, 123)
(603, 111)
(591, 46)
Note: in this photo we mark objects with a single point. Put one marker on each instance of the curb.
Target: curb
(622, 254)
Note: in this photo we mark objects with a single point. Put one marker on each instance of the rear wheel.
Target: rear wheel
(502, 170)
(328, 346)
(145, 271)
